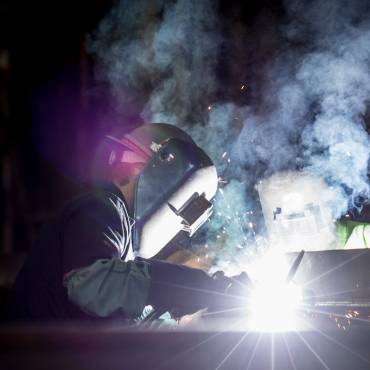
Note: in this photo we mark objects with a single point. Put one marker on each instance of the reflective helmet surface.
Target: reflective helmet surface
(174, 188)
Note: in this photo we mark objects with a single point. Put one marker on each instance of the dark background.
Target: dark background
(52, 110)
(45, 75)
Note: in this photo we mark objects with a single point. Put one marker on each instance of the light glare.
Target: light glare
(274, 307)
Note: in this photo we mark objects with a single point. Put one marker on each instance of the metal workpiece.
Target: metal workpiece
(220, 346)
(335, 275)
(332, 331)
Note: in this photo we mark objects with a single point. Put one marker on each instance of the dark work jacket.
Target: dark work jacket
(73, 239)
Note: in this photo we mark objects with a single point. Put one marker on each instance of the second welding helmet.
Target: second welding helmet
(297, 209)
(175, 185)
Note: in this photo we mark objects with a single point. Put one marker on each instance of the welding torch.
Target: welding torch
(294, 267)
(308, 295)
(224, 293)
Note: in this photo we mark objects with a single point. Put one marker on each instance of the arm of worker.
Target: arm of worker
(96, 278)
(182, 289)
(111, 286)
(101, 284)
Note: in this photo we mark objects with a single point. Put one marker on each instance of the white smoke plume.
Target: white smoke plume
(167, 49)
(310, 115)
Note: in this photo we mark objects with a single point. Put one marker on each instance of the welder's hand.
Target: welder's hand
(182, 290)
(236, 291)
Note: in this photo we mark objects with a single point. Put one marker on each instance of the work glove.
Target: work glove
(182, 290)
(236, 291)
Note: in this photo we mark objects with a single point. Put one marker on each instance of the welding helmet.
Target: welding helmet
(297, 210)
(175, 184)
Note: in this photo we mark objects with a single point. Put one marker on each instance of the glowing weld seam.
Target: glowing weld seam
(121, 241)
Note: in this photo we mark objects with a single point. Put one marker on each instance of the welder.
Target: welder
(298, 212)
(100, 256)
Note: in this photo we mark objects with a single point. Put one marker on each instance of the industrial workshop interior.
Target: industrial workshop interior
(184, 184)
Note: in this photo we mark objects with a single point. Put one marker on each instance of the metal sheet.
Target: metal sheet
(101, 348)
(335, 275)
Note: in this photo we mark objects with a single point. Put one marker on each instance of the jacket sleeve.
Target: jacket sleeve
(95, 276)
(110, 286)
(87, 233)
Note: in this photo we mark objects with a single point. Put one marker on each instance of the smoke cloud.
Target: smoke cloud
(309, 116)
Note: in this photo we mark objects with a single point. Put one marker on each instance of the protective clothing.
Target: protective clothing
(76, 239)
(165, 286)
(183, 290)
